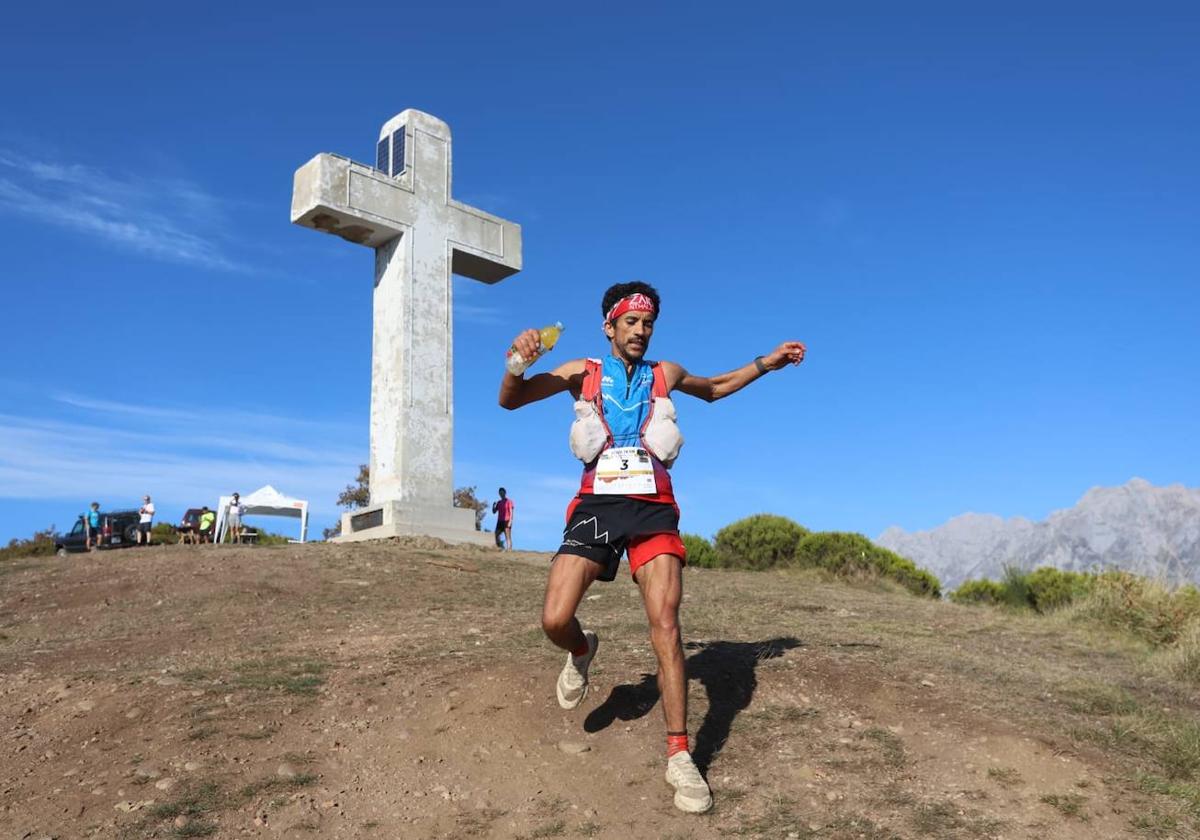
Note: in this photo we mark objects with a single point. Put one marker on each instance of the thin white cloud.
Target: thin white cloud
(113, 451)
(467, 294)
(478, 314)
(163, 218)
(206, 417)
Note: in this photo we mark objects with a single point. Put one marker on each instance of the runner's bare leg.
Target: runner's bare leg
(661, 582)
(570, 576)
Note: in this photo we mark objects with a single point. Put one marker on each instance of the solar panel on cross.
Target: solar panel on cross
(398, 138)
(381, 155)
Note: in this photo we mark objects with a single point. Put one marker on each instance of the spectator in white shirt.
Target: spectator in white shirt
(236, 509)
(145, 520)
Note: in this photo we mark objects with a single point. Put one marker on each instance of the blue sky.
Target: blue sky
(983, 222)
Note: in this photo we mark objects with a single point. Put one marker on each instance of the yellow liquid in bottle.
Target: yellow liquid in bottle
(549, 335)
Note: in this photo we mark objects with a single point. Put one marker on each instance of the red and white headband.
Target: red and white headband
(633, 303)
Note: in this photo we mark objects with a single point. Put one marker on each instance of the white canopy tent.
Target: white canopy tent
(265, 501)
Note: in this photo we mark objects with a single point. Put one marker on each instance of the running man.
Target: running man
(625, 435)
(504, 510)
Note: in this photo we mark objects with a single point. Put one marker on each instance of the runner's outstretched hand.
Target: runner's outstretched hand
(790, 352)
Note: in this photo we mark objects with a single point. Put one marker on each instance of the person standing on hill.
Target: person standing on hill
(625, 434)
(91, 521)
(206, 522)
(145, 520)
(234, 518)
(504, 510)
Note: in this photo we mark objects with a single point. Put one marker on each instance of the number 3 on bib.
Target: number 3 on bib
(625, 471)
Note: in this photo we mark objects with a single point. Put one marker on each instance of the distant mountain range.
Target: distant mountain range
(1148, 530)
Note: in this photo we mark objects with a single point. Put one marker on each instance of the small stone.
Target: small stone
(134, 713)
(573, 747)
(165, 784)
(926, 683)
(192, 766)
(126, 806)
(146, 773)
(181, 821)
(831, 796)
(168, 681)
(85, 705)
(286, 771)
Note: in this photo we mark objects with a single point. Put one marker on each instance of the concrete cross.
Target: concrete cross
(403, 209)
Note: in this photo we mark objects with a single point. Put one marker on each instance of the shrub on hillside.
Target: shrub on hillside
(1143, 607)
(268, 538)
(1049, 588)
(1015, 583)
(1182, 659)
(853, 555)
(1044, 589)
(979, 592)
(700, 552)
(41, 544)
(762, 541)
(163, 533)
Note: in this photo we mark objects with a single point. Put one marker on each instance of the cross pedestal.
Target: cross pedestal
(402, 208)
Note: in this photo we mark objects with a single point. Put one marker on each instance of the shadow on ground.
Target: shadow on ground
(726, 670)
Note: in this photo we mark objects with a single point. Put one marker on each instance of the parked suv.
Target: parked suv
(118, 529)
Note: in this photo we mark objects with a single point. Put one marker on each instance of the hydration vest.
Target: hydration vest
(659, 435)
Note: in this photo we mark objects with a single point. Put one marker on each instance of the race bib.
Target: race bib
(625, 471)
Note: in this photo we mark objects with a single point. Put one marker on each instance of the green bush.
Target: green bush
(41, 544)
(1016, 588)
(1182, 659)
(1044, 589)
(853, 555)
(762, 541)
(163, 533)
(268, 538)
(1146, 608)
(700, 552)
(980, 592)
(1050, 588)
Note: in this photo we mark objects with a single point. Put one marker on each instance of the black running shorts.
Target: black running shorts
(602, 528)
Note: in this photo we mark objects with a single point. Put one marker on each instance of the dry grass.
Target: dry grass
(1068, 804)
(779, 662)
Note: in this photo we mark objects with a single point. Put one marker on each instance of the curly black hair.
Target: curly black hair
(615, 293)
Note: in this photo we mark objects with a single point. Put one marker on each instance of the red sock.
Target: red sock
(583, 651)
(677, 742)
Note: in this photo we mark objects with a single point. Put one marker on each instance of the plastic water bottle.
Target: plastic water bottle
(516, 364)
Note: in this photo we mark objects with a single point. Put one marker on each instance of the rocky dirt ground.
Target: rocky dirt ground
(403, 690)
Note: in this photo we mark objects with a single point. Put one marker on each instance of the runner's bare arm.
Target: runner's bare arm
(709, 388)
(516, 391)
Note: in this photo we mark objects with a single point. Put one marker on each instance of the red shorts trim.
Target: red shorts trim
(644, 549)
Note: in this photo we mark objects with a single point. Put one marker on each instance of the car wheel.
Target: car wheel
(131, 534)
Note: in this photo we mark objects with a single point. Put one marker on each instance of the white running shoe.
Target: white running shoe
(691, 791)
(573, 681)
